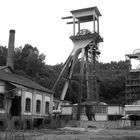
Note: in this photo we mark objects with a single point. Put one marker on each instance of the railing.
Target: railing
(18, 135)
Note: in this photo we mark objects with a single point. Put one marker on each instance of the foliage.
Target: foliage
(112, 82)
(30, 63)
(3, 53)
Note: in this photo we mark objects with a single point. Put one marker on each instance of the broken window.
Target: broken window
(47, 107)
(28, 105)
(1, 101)
(38, 106)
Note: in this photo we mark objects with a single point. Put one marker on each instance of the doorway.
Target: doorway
(16, 106)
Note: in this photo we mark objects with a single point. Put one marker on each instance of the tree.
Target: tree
(112, 85)
(3, 53)
(30, 63)
(29, 60)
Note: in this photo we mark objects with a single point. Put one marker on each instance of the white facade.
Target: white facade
(2, 91)
(2, 87)
(34, 97)
(102, 112)
(23, 100)
(101, 117)
(25, 95)
(47, 99)
(132, 109)
(115, 110)
(66, 110)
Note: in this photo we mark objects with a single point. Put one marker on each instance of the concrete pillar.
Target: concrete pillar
(78, 26)
(43, 104)
(81, 84)
(98, 25)
(94, 24)
(51, 104)
(22, 102)
(73, 25)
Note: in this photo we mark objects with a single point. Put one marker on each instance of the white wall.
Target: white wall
(66, 110)
(39, 97)
(2, 87)
(115, 110)
(83, 117)
(34, 96)
(98, 117)
(2, 90)
(46, 99)
(2, 111)
(29, 95)
(132, 107)
(101, 117)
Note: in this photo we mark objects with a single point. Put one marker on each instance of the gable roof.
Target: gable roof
(20, 80)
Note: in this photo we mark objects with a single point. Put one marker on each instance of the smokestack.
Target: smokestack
(11, 45)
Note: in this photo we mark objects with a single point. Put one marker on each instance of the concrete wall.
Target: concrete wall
(115, 110)
(101, 117)
(93, 124)
(34, 96)
(105, 124)
(66, 110)
(38, 97)
(132, 107)
(98, 117)
(29, 95)
(2, 91)
(2, 87)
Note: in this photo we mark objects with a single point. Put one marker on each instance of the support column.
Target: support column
(87, 73)
(73, 25)
(71, 68)
(78, 26)
(94, 70)
(93, 24)
(98, 25)
(81, 84)
(64, 90)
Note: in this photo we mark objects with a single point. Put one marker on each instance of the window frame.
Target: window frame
(28, 106)
(47, 107)
(38, 106)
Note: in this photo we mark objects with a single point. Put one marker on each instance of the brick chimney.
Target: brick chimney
(11, 45)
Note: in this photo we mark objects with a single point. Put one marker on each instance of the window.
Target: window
(28, 105)
(83, 110)
(47, 107)
(38, 106)
(101, 109)
(1, 101)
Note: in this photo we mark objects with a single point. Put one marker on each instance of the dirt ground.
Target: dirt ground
(73, 133)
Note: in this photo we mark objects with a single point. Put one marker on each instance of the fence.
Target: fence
(18, 135)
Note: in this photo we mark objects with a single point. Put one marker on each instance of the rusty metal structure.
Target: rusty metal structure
(133, 78)
(86, 43)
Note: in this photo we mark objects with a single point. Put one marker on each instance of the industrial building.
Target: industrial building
(133, 78)
(132, 107)
(23, 102)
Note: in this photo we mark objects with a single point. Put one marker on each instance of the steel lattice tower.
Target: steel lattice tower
(86, 43)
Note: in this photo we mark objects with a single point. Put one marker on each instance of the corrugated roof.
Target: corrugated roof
(17, 79)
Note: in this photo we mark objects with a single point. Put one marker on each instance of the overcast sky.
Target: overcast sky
(38, 22)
